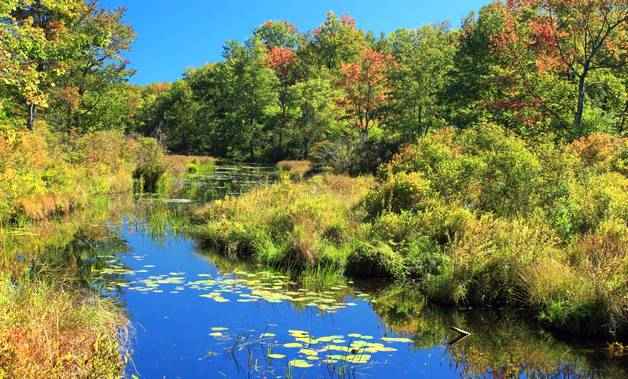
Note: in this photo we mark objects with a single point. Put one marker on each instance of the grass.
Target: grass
(287, 224)
(476, 217)
(295, 170)
(47, 331)
(51, 326)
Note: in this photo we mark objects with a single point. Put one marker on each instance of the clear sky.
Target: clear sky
(174, 35)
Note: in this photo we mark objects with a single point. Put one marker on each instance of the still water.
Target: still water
(197, 315)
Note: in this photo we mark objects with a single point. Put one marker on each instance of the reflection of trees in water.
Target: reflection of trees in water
(502, 345)
(66, 247)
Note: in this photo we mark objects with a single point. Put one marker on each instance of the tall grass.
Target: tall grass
(47, 331)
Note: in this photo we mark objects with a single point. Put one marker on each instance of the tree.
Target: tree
(581, 36)
(424, 59)
(335, 42)
(317, 111)
(496, 76)
(366, 87)
(279, 34)
(252, 91)
(283, 60)
(59, 48)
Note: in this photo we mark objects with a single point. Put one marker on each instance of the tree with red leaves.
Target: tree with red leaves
(366, 87)
(575, 38)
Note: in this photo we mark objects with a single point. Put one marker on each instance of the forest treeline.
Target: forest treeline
(534, 67)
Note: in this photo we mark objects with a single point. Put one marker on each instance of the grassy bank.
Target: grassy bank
(51, 188)
(476, 217)
(47, 331)
(53, 324)
(45, 174)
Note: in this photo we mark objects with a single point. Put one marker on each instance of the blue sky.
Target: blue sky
(174, 35)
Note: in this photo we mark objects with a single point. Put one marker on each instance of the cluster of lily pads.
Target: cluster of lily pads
(239, 286)
(308, 351)
(305, 350)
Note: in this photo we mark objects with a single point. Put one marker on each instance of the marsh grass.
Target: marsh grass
(52, 325)
(478, 217)
(48, 331)
(290, 225)
(295, 170)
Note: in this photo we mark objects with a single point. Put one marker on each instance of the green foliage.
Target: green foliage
(501, 221)
(62, 59)
(150, 164)
(377, 260)
(400, 192)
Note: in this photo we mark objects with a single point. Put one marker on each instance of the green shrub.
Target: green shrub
(149, 164)
(400, 192)
(376, 260)
(423, 257)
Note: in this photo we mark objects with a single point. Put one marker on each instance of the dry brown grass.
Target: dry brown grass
(178, 164)
(46, 332)
(296, 169)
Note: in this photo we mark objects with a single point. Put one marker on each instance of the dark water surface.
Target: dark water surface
(197, 315)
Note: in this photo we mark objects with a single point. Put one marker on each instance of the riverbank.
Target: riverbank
(53, 324)
(478, 217)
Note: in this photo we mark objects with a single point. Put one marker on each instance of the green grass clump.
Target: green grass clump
(295, 225)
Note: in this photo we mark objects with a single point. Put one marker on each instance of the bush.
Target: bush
(423, 258)
(43, 173)
(375, 261)
(400, 192)
(149, 164)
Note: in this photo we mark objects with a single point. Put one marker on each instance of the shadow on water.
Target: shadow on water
(196, 314)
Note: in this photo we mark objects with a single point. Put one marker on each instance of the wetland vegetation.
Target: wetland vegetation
(327, 203)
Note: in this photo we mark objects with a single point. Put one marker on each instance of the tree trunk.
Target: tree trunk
(622, 123)
(32, 116)
(581, 98)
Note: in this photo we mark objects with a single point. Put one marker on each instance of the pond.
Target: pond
(194, 314)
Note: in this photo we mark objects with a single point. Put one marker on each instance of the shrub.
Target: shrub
(376, 260)
(599, 150)
(149, 164)
(483, 167)
(423, 257)
(43, 173)
(400, 192)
